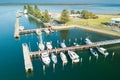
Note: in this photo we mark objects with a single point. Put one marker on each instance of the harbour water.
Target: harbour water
(12, 62)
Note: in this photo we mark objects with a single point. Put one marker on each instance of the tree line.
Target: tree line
(35, 11)
(65, 14)
(64, 18)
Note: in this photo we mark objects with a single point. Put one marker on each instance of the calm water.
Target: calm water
(12, 62)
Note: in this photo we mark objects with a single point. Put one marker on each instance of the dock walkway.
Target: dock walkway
(95, 44)
(27, 60)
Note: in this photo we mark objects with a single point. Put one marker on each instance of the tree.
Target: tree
(37, 12)
(30, 9)
(64, 16)
(78, 12)
(46, 17)
(85, 14)
(88, 15)
(25, 7)
(72, 12)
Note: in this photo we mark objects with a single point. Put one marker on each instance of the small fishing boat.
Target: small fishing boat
(73, 56)
(41, 46)
(63, 57)
(21, 28)
(54, 58)
(87, 41)
(47, 31)
(38, 32)
(62, 44)
(102, 51)
(92, 51)
(45, 58)
(75, 44)
(49, 45)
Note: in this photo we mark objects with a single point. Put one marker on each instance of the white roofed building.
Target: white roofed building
(115, 24)
(75, 15)
(115, 20)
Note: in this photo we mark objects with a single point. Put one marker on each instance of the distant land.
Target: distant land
(7, 4)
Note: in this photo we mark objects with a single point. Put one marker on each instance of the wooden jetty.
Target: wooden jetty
(95, 44)
(27, 60)
(27, 54)
(16, 32)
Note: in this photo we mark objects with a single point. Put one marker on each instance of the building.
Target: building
(115, 20)
(75, 15)
(115, 24)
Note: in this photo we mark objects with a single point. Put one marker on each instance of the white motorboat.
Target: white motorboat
(47, 31)
(21, 28)
(75, 44)
(25, 11)
(102, 51)
(45, 58)
(41, 46)
(38, 32)
(49, 45)
(54, 58)
(62, 44)
(93, 52)
(63, 57)
(73, 56)
(88, 41)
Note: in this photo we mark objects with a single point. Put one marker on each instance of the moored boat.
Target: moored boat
(49, 45)
(62, 44)
(47, 31)
(73, 56)
(38, 32)
(102, 51)
(45, 58)
(75, 44)
(54, 58)
(87, 41)
(41, 46)
(92, 51)
(63, 57)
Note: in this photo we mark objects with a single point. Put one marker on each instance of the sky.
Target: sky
(62, 1)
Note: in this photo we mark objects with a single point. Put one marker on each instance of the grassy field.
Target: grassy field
(92, 22)
(95, 24)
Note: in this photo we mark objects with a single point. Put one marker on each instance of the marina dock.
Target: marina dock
(27, 60)
(19, 32)
(17, 26)
(81, 47)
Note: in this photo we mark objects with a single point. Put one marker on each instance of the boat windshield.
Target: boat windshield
(105, 51)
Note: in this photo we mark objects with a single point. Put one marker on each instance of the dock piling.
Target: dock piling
(81, 60)
(90, 58)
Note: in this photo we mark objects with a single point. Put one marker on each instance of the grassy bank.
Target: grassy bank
(94, 24)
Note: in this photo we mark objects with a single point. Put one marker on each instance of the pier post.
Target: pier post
(43, 69)
(53, 67)
(57, 42)
(90, 58)
(75, 39)
(63, 40)
(81, 60)
(69, 41)
(113, 54)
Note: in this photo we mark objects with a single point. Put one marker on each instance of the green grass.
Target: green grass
(92, 22)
